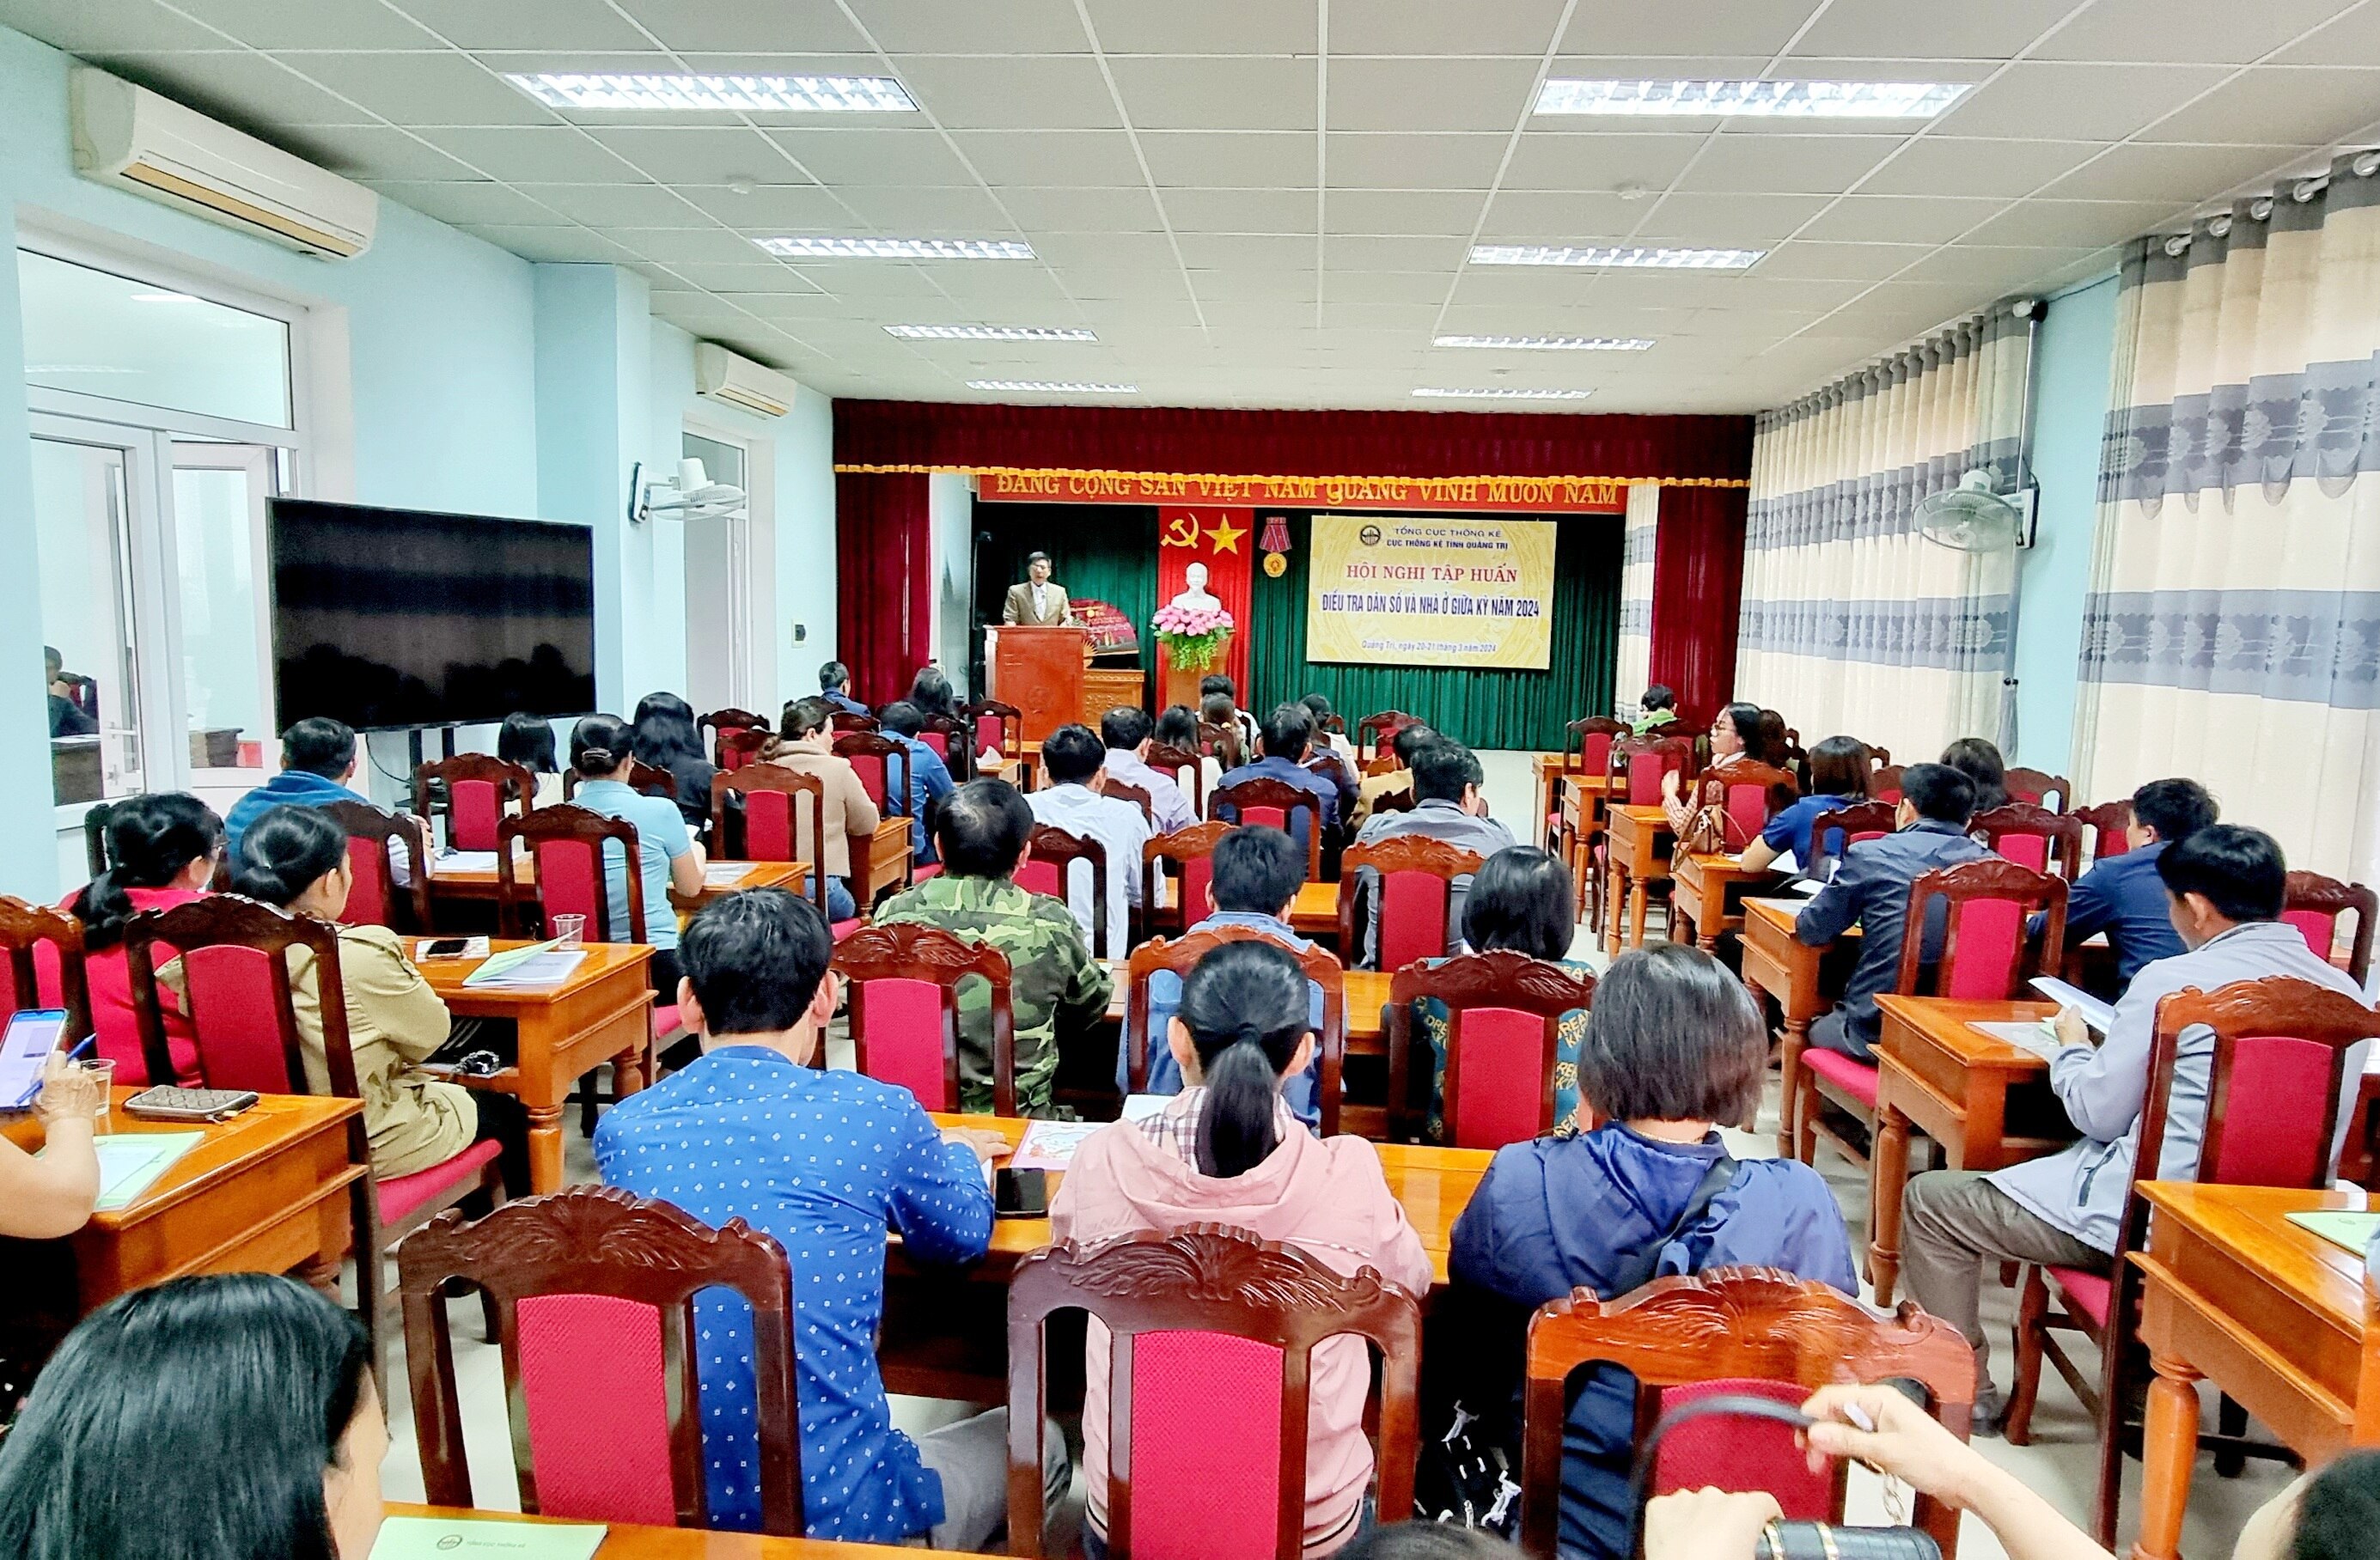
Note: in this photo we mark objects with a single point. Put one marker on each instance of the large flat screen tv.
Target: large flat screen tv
(393, 618)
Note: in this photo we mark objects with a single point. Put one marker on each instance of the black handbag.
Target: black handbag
(1781, 1539)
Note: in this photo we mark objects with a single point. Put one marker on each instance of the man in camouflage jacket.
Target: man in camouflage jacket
(1054, 981)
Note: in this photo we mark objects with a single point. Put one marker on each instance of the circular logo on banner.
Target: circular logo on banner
(1275, 565)
(1370, 535)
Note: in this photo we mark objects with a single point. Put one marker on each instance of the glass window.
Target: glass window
(219, 494)
(89, 331)
(82, 541)
(722, 462)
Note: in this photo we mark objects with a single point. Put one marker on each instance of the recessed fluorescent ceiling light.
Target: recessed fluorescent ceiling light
(990, 333)
(1549, 344)
(1629, 255)
(896, 249)
(1054, 387)
(1778, 100)
(1503, 393)
(779, 94)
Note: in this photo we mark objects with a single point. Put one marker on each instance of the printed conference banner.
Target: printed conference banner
(1426, 591)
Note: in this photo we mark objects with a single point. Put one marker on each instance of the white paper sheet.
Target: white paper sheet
(2095, 1013)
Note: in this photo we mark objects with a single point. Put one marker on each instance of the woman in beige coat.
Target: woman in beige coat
(806, 744)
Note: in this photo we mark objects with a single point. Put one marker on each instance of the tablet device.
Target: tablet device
(33, 1033)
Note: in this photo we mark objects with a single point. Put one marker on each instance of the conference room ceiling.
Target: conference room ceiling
(1270, 202)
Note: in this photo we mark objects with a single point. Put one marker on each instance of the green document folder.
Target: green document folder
(479, 1538)
(2340, 1228)
(131, 1163)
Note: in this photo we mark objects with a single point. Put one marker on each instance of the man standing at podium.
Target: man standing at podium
(1040, 601)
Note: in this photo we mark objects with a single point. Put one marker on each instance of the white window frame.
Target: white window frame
(751, 553)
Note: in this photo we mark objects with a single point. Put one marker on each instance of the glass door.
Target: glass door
(85, 490)
(219, 566)
(719, 587)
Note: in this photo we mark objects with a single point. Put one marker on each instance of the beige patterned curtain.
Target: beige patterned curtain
(1636, 597)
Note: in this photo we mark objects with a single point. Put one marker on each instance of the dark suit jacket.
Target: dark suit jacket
(1871, 891)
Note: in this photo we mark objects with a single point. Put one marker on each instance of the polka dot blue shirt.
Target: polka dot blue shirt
(826, 1163)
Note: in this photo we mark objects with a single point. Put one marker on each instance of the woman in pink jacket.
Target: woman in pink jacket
(1226, 1150)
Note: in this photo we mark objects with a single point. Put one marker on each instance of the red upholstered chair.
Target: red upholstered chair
(852, 720)
(236, 988)
(1751, 793)
(566, 844)
(1885, 785)
(2276, 1088)
(1587, 753)
(904, 1009)
(1414, 881)
(740, 748)
(645, 779)
(1504, 1015)
(779, 818)
(1834, 833)
(2106, 823)
(591, 1294)
(1985, 957)
(883, 766)
(1050, 857)
(2032, 836)
(1224, 743)
(997, 726)
(1634, 771)
(2038, 788)
(1187, 770)
(1756, 1330)
(1274, 805)
(375, 899)
(1213, 1333)
(54, 981)
(1376, 730)
(947, 735)
(2314, 906)
(1134, 795)
(1191, 852)
(478, 791)
(719, 723)
(1181, 955)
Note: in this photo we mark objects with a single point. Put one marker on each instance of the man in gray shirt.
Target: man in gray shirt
(1449, 807)
(2225, 886)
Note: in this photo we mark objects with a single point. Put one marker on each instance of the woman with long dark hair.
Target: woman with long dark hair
(163, 847)
(528, 740)
(1735, 738)
(224, 1418)
(930, 692)
(1227, 1150)
(1979, 760)
(667, 738)
(667, 856)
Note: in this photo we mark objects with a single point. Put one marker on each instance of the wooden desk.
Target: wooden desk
(1702, 890)
(628, 1540)
(478, 885)
(1778, 962)
(1316, 909)
(792, 875)
(879, 860)
(1545, 770)
(265, 1192)
(1639, 843)
(604, 1012)
(1986, 1102)
(2282, 1321)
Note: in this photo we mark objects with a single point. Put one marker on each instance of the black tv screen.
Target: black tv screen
(393, 618)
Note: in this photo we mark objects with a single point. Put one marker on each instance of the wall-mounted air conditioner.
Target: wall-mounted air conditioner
(132, 137)
(724, 375)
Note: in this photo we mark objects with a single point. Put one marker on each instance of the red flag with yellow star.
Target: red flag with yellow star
(1224, 539)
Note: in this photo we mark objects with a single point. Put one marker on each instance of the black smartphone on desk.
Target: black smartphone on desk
(1020, 1194)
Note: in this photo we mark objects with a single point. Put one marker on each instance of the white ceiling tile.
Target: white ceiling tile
(574, 246)
(1052, 159)
(1785, 165)
(1430, 94)
(1215, 94)
(1106, 252)
(873, 279)
(929, 213)
(613, 206)
(234, 86)
(1387, 286)
(715, 155)
(2352, 38)
(1230, 160)
(518, 24)
(973, 26)
(1894, 28)
(778, 304)
(2300, 106)
(713, 245)
(1212, 27)
(1630, 27)
(1265, 319)
(1573, 161)
(1901, 219)
(1999, 269)
(1006, 288)
(1454, 211)
(2180, 173)
(331, 24)
(1409, 323)
(1414, 162)
(1252, 286)
(131, 26)
(1241, 210)
(384, 151)
(536, 155)
(478, 203)
(2040, 101)
(1950, 164)
(779, 27)
(1245, 250)
(423, 89)
(1820, 261)
(2072, 223)
(1725, 221)
(1436, 28)
(1547, 217)
(1416, 253)
(2185, 31)
(1030, 93)
(863, 157)
(759, 273)
(1129, 210)
(770, 208)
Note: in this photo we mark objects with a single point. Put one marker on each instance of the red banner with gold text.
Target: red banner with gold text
(1477, 495)
(1225, 540)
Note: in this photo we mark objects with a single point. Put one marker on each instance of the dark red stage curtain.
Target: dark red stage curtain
(1290, 443)
(884, 574)
(1697, 590)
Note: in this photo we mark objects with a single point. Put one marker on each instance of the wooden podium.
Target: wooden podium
(1039, 670)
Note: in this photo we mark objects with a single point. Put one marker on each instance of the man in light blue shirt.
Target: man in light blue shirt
(930, 778)
(1287, 733)
(2225, 887)
(1072, 757)
(667, 856)
(1128, 731)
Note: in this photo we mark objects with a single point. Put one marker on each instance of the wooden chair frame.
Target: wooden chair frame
(1779, 788)
(2275, 1005)
(1170, 761)
(1284, 796)
(1576, 735)
(645, 779)
(1398, 852)
(514, 783)
(844, 720)
(957, 738)
(777, 778)
(1225, 745)
(740, 748)
(1211, 1278)
(601, 1240)
(1757, 1323)
(2312, 891)
(568, 823)
(1854, 817)
(1011, 726)
(2107, 819)
(1048, 843)
(2063, 830)
(364, 821)
(1123, 792)
(1376, 730)
(1885, 778)
(1624, 750)
(886, 751)
(1181, 846)
(22, 926)
(913, 950)
(2043, 784)
(1500, 979)
(710, 727)
(1181, 954)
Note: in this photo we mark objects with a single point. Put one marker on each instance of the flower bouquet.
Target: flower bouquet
(1193, 637)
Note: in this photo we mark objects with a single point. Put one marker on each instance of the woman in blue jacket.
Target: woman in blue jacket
(1673, 1046)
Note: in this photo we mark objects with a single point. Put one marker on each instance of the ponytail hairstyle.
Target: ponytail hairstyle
(600, 745)
(286, 852)
(151, 839)
(1245, 1007)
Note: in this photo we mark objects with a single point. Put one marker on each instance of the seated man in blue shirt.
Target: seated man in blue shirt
(319, 755)
(1255, 874)
(1871, 891)
(930, 778)
(2122, 895)
(834, 687)
(1286, 734)
(824, 1162)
